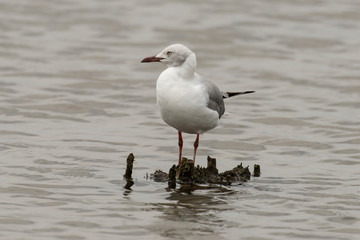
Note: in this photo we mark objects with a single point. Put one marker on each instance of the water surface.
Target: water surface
(75, 101)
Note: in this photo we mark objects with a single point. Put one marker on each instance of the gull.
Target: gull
(188, 102)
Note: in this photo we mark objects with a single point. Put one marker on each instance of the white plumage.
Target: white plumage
(187, 101)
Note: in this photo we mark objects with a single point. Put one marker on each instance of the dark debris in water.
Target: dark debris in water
(129, 166)
(188, 176)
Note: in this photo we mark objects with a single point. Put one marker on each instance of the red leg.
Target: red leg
(180, 143)
(196, 144)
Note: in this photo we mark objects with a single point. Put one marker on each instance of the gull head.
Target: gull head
(172, 56)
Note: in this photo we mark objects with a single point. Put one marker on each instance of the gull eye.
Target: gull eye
(169, 53)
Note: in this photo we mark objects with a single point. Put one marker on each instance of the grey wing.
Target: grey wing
(216, 101)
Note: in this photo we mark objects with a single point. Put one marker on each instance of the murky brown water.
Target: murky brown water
(75, 100)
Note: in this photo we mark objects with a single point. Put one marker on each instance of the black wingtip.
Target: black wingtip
(231, 94)
(246, 92)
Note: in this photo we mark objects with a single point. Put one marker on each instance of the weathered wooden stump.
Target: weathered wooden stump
(129, 166)
(188, 175)
(257, 171)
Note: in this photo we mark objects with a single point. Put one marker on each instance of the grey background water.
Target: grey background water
(75, 101)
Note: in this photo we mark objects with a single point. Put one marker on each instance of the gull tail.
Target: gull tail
(231, 94)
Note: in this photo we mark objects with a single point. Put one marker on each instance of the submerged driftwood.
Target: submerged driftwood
(187, 174)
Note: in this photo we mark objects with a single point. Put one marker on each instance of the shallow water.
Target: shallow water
(75, 101)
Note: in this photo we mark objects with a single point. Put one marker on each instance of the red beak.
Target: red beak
(151, 59)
